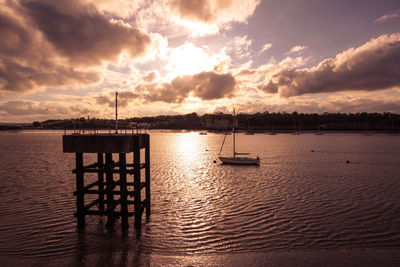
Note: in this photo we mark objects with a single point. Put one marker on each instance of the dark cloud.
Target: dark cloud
(35, 110)
(205, 85)
(55, 43)
(269, 87)
(198, 10)
(17, 77)
(105, 101)
(211, 85)
(150, 76)
(214, 11)
(85, 35)
(372, 66)
(124, 98)
(22, 107)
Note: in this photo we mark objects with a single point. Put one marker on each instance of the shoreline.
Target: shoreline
(88, 131)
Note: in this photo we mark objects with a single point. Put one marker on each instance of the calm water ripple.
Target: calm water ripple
(295, 199)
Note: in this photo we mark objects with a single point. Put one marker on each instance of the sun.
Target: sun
(187, 59)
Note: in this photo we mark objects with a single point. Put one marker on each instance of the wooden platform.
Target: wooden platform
(103, 143)
(119, 194)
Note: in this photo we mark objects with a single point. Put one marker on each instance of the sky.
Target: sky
(67, 58)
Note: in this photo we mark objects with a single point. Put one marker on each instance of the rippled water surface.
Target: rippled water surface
(295, 200)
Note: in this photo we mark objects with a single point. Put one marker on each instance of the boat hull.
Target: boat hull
(239, 160)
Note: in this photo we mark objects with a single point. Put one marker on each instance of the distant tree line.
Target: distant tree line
(280, 121)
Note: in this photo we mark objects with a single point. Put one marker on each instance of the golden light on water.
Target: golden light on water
(190, 161)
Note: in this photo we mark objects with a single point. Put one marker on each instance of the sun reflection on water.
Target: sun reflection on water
(189, 160)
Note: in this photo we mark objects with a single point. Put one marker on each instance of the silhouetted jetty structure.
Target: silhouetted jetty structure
(117, 189)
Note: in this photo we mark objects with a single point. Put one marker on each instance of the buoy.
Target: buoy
(347, 161)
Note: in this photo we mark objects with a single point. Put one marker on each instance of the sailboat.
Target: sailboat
(236, 159)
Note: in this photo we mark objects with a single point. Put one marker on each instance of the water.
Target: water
(296, 204)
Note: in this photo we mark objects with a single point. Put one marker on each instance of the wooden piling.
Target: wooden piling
(147, 175)
(80, 196)
(100, 180)
(109, 188)
(124, 190)
(136, 182)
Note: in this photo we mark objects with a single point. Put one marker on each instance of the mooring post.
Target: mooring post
(109, 188)
(136, 182)
(80, 196)
(124, 190)
(147, 174)
(100, 180)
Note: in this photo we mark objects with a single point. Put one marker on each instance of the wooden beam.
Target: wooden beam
(93, 203)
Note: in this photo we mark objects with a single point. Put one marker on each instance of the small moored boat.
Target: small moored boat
(236, 159)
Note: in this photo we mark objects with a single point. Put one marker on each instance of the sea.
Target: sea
(314, 200)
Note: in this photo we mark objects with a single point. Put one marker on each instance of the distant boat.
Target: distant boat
(368, 132)
(249, 131)
(234, 160)
(203, 133)
(318, 132)
(295, 132)
(272, 132)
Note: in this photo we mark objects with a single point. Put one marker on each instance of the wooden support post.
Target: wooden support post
(136, 182)
(124, 190)
(80, 196)
(109, 188)
(100, 180)
(147, 175)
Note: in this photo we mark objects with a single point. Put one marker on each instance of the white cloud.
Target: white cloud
(239, 47)
(297, 49)
(265, 47)
(393, 15)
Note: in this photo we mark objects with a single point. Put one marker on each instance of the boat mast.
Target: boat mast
(116, 112)
(233, 130)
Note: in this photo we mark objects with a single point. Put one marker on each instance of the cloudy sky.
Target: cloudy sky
(66, 58)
